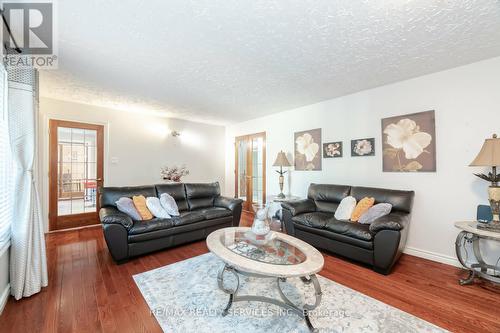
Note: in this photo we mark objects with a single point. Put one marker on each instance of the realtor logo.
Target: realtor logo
(28, 33)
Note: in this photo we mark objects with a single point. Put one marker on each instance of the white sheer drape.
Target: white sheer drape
(28, 264)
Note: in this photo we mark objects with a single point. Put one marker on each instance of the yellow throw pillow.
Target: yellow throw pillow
(362, 206)
(140, 205)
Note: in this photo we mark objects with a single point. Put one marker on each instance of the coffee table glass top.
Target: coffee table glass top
(270, 249)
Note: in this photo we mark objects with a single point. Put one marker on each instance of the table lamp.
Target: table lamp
(489, 156)
(281, 161)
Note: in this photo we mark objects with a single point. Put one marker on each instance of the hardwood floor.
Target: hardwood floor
(87, 292)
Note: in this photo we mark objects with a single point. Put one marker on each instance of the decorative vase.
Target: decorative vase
(494, 198)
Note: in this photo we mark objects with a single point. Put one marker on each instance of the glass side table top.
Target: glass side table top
(270, 250)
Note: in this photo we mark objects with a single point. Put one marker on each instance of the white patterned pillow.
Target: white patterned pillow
(168, 203)
(345, 209)
(155, 207)
(126, 205)
(379, 210)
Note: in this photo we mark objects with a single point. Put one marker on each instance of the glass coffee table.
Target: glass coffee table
(276, 256)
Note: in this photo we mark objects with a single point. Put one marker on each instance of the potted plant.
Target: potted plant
(174, 173)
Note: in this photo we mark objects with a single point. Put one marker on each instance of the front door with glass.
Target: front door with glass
(76, 173)
(250, 171)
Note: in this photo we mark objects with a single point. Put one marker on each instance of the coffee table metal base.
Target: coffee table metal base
(285, 303)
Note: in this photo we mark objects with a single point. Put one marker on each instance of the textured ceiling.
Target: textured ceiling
(223, 61)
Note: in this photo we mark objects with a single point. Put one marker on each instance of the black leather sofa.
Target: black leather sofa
(202, 210)
(379, 244)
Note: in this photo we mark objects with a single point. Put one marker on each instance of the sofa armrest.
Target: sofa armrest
(111, 215)
(299, 207)
(225, 202)
(395, 221)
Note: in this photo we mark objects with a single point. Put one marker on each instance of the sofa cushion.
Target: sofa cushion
(400, 200)
(355, 230)
(313, 219)
(187, 217)
(213, 212)
(182, 230)
(177, 191)
(336, 237)
(327, 197)
(110, 195)
(201, 195)
(140, 227)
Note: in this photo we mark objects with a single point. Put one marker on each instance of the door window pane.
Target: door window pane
(77, 171)
(90, 138)
(257, 170)
(242, 169)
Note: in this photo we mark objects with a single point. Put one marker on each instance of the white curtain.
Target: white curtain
(28, 264)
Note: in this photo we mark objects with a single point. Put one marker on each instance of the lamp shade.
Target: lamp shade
(281, 160)
(489, 154)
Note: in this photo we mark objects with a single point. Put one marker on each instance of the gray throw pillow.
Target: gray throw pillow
(169, 204)
(126, 205)
(375, 212)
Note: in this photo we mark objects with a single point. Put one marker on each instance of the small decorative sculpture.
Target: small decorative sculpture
(260, 226)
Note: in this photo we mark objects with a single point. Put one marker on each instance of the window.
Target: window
(6, 166)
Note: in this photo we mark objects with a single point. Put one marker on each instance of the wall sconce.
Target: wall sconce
(175, 134)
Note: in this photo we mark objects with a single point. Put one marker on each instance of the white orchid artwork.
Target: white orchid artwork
(307, 150)
(408, 142)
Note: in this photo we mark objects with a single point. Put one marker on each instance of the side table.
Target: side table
(273, 203)
(275, 207)
(471, 234)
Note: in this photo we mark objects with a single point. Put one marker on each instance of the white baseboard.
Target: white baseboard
(4, 297)
(444, 259)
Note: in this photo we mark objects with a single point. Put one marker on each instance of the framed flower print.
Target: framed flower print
(308, 150)
(409, 143)
(363, 147)
(332, 149)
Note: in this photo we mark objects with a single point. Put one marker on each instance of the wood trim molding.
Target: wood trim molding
(437, 257)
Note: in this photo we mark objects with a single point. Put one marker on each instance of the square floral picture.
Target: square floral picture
(307, 150)
(409, 143)
(363, 147)
(332, 149)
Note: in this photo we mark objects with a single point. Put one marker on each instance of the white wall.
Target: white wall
(467, 104)
(142, 144)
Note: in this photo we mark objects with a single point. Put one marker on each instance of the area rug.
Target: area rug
(184, 297)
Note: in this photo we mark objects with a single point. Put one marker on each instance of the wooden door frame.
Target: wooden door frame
(74, 220)
(247, 205)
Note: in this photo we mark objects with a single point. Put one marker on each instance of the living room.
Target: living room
(250, 166)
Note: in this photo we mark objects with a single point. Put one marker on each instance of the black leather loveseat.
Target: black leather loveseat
(202, 210)
(379, 244)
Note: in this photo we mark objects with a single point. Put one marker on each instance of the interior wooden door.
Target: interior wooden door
(76, 153)
(250, 169)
